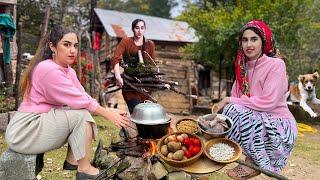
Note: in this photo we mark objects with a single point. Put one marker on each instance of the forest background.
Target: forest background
(295, 24)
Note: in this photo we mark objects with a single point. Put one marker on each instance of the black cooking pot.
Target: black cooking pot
(151, 120)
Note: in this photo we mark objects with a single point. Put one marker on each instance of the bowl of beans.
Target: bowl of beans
(187, 125)
(222, 150)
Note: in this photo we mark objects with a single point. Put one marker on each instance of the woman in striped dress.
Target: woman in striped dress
(263, 125)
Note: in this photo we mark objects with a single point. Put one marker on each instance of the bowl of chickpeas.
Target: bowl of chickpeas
(222, 150)
(188, 125)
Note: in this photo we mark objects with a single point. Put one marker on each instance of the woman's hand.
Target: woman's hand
(118, 117)
(117, 74)
(216, 108)
(119, 81)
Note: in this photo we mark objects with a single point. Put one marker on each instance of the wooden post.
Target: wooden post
(18, 68)
(97, 75)
(189, 89)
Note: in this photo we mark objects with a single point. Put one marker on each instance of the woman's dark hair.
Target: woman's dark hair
(43, 52)
(135, 22)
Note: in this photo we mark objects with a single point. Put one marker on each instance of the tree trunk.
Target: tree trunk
(8, 79)
(18, 68)
(220, 74)
(90, 57)
(79, 71)
(44, 25)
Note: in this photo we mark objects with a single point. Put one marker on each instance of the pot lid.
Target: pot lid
(149, 113)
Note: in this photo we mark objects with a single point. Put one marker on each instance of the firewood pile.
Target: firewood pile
(145, 78)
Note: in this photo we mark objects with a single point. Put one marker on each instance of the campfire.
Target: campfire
(132, 158)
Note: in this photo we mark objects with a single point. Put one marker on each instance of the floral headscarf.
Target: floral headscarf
(240, 61)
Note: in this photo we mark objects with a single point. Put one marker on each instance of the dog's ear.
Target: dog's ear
(315, 75)
(301, 78)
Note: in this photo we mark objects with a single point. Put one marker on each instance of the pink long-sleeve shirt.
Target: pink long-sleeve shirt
(54, 86)
(268, 85)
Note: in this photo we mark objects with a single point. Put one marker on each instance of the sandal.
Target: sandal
(241, 172)
(69, 166)
(85, 176)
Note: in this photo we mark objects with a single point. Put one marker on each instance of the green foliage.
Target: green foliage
(292, 22)
(148, 7)
(6, 103)
(72, 13)
(144, 70)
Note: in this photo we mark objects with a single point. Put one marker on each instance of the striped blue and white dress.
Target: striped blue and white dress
(267, 140)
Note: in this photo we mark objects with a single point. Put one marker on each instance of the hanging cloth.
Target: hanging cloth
(7, 30)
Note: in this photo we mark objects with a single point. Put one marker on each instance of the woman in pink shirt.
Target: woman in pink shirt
(56, 109)
(263, 125)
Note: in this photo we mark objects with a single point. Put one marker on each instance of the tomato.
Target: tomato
(195, 150)
(188, 154)
(191, 139)
(190, 147)
(187, 141)
(196, 142)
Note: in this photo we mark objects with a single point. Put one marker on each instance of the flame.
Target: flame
(153, 147)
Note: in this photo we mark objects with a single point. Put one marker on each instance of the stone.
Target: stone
(14, 165)
(158, 171)
(181, 175)
(4, 120)
(169, 168)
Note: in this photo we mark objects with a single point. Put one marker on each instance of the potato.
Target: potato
(184, 148)
(174, 146)
(164, 150)
(184, 135)
(180, 138)
(178, 155)
(172, 138)
(166, 141)
(170, 155)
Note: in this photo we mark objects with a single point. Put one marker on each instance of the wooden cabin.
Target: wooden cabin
(168, 36)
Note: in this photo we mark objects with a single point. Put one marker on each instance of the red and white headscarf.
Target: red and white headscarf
(240, 61)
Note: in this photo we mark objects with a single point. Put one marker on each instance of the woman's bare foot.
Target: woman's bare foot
(89, 170)
(249, 159)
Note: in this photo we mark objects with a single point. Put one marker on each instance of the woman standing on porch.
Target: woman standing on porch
(129, 50)
(263, 125)
(55, 107)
